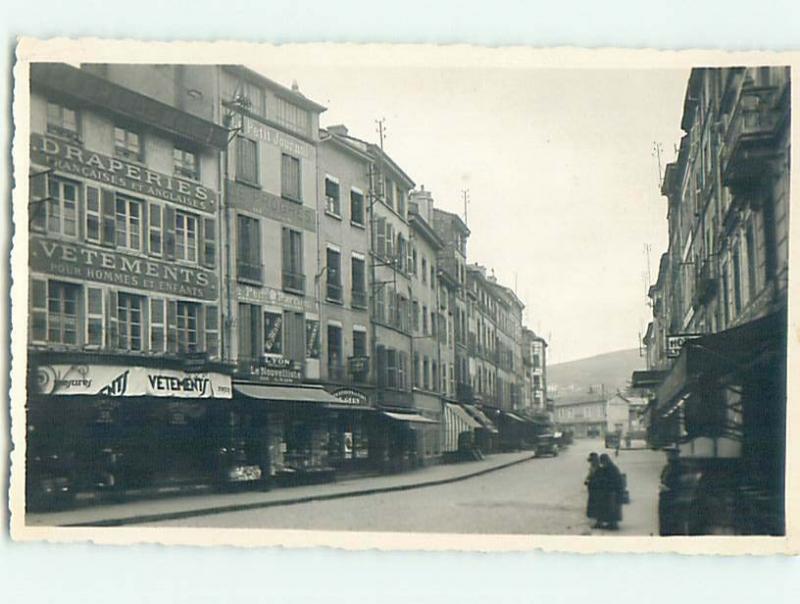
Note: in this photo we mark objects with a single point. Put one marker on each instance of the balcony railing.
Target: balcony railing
(249, 272)
(333, 292)
(294, 282)
(750, 133)
(705, 283)
(358, 299)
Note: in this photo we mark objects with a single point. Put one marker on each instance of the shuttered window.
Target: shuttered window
(246, 160)
(290, 177)
(155, 230)
(92, 215)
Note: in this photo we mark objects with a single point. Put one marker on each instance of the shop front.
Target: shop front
(721, 409)
(486, 437)
(353, 428)
(398, 434)
(460, 434)
(95, 427)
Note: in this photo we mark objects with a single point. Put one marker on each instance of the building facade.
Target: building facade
(718, 331)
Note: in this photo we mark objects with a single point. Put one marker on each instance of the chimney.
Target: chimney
(339, 129)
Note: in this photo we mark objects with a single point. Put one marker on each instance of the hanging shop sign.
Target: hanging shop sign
(69, 158)
(115, 381)
(675, 343)
(312, 339)
(351, 396)
(88, 264)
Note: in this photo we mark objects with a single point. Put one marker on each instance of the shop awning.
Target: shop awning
(293, 394)
(515, 417)
(409, 417)
(481, 417)
(727, 352)
(461, 413)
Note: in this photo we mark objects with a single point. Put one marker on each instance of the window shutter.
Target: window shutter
(209, 243)
(113, 326)
(381, 237)
(172, 326)
(38, 319)
(169, 233)
(286, 250)
(39, 192)
(108, 235)
(201, 329)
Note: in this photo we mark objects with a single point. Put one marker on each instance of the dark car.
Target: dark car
(546, 445)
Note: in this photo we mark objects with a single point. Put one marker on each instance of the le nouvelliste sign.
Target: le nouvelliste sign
(78, 161)
(89, 264)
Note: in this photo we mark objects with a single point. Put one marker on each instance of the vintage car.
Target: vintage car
(546, 445)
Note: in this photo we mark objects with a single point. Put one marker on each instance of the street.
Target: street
(540, 496)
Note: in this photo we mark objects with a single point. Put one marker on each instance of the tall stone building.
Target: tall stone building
(716, 346)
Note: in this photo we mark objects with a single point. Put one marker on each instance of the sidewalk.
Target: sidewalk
(141, 512)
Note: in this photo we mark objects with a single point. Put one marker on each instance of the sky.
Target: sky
(563, 182)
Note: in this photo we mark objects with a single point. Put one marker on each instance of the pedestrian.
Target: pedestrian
(590, 483)
(608, 485)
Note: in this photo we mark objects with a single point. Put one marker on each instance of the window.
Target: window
(424, 320)
(360, 351)
(290, 177)
(292, 245)
(155, 241)
(212, 331)
(127, 144)
(424, 270)
(129, 321)
(92, 215)
(246, 160)
(388, 188)
(185, 237)
(335, 363)
(158, 325)
(253, 97)
(770, 238)
(249, 317)
(186, 165)
(62, 312)
(332, 202)
(401, 202)
(187, 323)
(62, 207)
(248, 250)
(415, 371)
(358, 275)
(292, 117)
(402, 254)
(737, 281)
(433, 276)
(426, 373)
(334, 280)
(94, 317)
(128, 226)
(62, 121)
(415, 315)
(273, 333)
(294, 344)
(751, 261)
(414, 261)
(357, 207)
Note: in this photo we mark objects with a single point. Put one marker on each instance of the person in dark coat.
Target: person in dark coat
(591, 503)
(608, 485)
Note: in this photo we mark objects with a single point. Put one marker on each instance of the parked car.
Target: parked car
(546, 445)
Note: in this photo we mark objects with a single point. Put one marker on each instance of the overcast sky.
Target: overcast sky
(559, 164)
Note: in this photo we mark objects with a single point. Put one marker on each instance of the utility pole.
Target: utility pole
(381, 130)
(465, 193)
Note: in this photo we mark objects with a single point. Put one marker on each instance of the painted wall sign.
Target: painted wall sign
(271, 206)
(114, 381)
(90, 264)
(270, 295)
(675, 343)
(258, 131)
(78, 161)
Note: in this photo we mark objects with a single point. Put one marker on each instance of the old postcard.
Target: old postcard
(403, 297)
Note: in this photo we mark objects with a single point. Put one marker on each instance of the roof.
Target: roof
(454, 219)
(419, 224)
(279, 89)
(340, 142)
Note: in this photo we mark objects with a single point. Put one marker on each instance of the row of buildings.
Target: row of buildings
(596, 413)
(221, 288)
(716, 346)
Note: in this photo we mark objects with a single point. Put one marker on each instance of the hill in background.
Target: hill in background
(611, 369)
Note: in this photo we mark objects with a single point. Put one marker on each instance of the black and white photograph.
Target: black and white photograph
(401, 291)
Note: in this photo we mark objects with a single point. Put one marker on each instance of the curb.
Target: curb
(241, 507)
